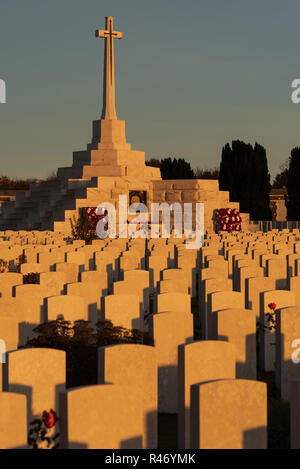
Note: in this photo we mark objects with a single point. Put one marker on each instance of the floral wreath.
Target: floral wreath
(94, 217)
(228, 219)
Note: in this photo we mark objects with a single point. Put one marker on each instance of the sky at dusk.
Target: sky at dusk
(190, 76)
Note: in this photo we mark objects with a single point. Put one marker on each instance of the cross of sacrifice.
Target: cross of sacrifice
(109, 110)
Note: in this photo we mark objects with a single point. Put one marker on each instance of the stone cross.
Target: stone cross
(109, 109)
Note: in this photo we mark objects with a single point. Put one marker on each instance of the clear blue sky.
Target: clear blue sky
(191, 75)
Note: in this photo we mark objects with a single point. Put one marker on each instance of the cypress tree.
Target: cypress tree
(261, 188)
(176, 169)
(293, 186)
(244, 173)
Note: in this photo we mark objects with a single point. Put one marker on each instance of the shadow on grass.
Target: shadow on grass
(278, 414)
(278, 424)
(278, 410)
(197, 322)
(167, 431)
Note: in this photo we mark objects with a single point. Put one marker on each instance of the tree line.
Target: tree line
(244, 173)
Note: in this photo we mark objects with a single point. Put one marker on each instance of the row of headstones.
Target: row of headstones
(45, 302)
(36, 238)
(157, 263)
(169, 325)
(277, 346)
(11, 238)
(105, 262)
(33, 304)
(22, 238)
(117, 303)
(92, 286)
(40, 259)
(65, 304)
(215, 410)
(167, 329)
(128, 261)
(275, 258)
(88, 257)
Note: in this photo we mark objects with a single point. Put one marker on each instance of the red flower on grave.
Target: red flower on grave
(49, 418)
(272, 306)
(228, 219)
(222, 212)
(95, 217)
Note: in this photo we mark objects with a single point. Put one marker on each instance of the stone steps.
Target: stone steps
(45, 204)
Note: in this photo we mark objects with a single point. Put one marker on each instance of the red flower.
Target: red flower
(228, 219)
(49, 418)
(272, 306)
(222, 212)
(95, 217)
